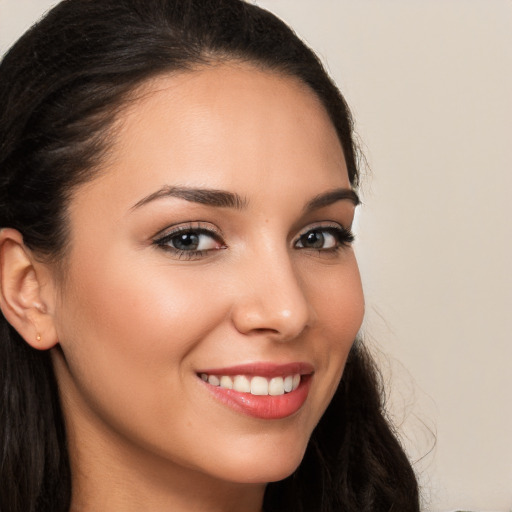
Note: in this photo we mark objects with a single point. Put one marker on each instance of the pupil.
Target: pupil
(313, 239)
(186, 241)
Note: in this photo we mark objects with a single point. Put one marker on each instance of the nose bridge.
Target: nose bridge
(272, 297)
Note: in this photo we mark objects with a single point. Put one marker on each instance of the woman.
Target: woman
(180, 295)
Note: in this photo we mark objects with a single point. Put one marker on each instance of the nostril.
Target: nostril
(263, 330)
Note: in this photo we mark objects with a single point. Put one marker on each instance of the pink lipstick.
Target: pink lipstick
(260, 390)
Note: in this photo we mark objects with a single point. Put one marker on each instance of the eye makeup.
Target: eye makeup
(196, 240)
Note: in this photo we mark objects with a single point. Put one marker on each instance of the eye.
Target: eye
(325, 238)
(190, 241)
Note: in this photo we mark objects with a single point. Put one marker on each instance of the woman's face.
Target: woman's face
(213, 246)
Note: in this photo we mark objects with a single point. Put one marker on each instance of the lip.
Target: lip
(265, 407)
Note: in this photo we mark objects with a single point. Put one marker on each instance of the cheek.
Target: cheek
(127, 329)
(337, 296)
(138, 305)
(338, 300)
(129, 338)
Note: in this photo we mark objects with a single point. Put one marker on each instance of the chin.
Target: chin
(264, 466)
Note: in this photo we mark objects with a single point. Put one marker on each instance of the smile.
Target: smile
(256, 385)
(260, 390)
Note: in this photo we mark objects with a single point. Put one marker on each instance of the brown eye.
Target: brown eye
(190, 240)
(185, 241)
(325, 238)
(314, 239)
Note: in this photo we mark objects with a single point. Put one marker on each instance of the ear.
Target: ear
(24, 283)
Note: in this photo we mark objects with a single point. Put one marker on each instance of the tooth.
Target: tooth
(259, 386)
(226, 382)
(242, 383)
(213, 380)
(276, 386)
(288, 383)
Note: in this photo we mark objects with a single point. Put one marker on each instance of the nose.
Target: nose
(271, 299)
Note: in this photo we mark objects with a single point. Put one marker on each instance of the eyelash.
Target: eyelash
(343, 238)
(189, 229)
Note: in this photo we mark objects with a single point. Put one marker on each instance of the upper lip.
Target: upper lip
(262, 369)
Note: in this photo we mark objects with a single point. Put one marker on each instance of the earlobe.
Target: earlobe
(20, 292)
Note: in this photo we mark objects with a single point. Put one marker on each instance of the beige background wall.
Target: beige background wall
(430, 84)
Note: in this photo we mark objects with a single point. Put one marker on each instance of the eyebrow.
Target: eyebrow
(210, 197)
(224, 199)
(333, 196)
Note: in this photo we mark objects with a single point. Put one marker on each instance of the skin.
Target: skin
(135, 321)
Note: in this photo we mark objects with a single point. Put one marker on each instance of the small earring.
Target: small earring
(38, 337)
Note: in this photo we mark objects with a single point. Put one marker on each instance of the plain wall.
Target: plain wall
(429, 83)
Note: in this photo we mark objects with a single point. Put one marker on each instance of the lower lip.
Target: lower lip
(266, 407)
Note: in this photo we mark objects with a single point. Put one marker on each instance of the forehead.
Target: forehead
(225, 126)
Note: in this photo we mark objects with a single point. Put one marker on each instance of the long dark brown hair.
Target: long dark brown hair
(61, 87)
